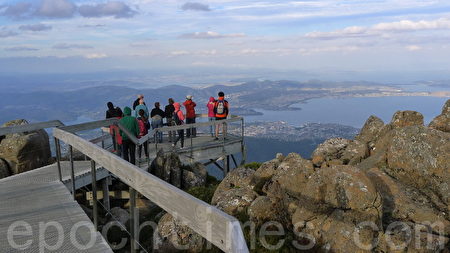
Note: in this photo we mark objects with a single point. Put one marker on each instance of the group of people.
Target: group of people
(139, 122)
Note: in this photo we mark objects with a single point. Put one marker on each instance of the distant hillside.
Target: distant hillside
(269, 95)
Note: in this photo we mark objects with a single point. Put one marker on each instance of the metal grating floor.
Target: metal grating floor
(39, 199)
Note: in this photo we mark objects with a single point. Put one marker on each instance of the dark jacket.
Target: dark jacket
(157, 111)
(169, 110)
(114, 113)
(130, 123)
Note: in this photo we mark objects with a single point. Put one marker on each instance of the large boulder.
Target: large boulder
(407, 118)
(402, 203)
(354, 153)
(420, 157)
(264, 209)
(194, 175)
(169, 168)
(442, 122)
(234, 201)
(265, 172)
(4, 169)
(341, 187)
(173, 236)
(237, 178)
(235, 193)
(370, 130)
(329, 152)
(290, 177)
(25, 151)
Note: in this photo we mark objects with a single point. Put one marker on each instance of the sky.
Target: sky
(365, 36)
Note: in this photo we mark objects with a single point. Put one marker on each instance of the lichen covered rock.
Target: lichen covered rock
(174, 236)
(442, 122)
(407, 118)
(25, 151)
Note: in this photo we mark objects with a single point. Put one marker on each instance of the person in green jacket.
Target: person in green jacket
(131, 124)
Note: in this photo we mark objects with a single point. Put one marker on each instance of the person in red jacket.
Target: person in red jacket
(143, 131)
(221, 109)
(211, 114)
(190, 115)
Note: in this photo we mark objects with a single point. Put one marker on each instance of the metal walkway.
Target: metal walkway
(35, 204)
(38, 212)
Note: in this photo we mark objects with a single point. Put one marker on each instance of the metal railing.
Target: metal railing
(30, 127)
(214, 225)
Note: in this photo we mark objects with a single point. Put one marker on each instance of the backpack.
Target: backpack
(177, 119)
(220, 107)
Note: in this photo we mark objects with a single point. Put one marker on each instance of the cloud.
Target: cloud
(5, 33)
(21, 48)
(407, 25)
(35, 27)
(210, 35)
(192, 6)
(71, 46)
(112, 8)
(383, 28)
(179, 53)
(95, 56)
(413, 48)
(92, 26)
(56, 9)
(18, 10)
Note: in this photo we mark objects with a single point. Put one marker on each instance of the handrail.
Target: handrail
(195, 125)
(150, 135)
(30, 127)
(214, 225)
(90, 125)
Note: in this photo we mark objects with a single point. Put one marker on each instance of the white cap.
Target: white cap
(189, 97)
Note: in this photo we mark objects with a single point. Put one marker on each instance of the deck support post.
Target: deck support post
(105, 189)
(72, 170)
(134, 221)
(234, 161)
(94, 193)
(58, 157)
(226, 165)
(243, 151)
(192, 146)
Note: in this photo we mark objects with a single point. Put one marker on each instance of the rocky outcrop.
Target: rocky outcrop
(370, 130)
(339, 151)
(442, 122)
(420, 157)
(407, 118)
(235, 193)
(169, 168)
(25, 151)
(173, 236)
(329, 152)
(386, 191)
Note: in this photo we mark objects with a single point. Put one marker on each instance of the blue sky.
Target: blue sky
(325, 35)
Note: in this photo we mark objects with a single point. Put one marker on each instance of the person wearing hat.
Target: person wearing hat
(190, 115)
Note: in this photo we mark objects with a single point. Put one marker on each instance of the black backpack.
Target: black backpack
(177, 119)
